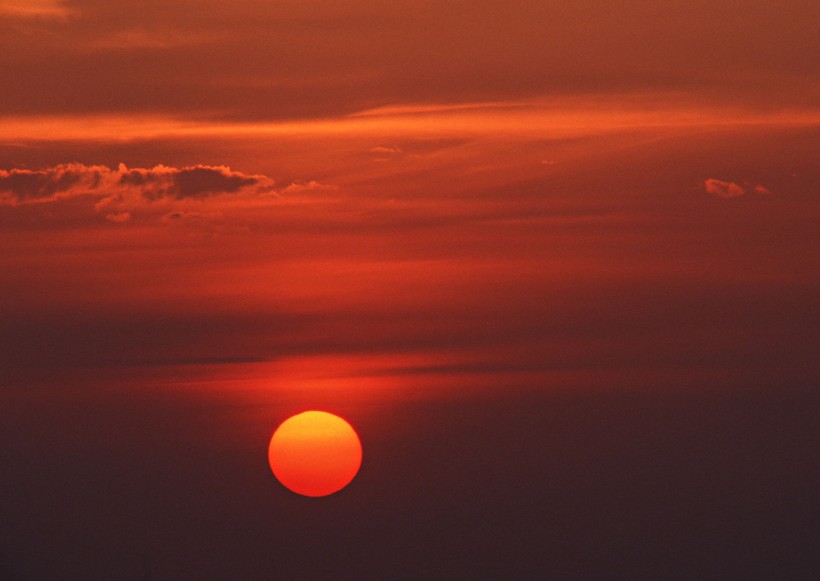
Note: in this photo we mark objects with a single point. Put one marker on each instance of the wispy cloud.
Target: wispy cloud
(527, 119)
(34, 9)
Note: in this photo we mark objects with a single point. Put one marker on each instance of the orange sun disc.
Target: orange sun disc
(315, 453)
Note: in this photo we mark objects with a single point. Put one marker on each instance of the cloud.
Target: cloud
(23, 186)
(189, 182)
(20, 186)
(34, 9)
(125, 195)
(723, 189)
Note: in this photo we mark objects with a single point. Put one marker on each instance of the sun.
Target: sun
(315, 453)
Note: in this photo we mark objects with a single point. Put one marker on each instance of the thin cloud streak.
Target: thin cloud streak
(562, 118)
(28, 9)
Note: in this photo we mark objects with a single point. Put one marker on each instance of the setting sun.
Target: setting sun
(315, 453)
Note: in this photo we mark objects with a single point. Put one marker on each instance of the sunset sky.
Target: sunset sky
(558, 263)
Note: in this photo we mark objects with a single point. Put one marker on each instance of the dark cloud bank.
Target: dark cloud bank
(21, 186)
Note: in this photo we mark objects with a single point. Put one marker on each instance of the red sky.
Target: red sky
(216, 214)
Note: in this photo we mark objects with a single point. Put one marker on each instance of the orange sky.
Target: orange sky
(221, 213)
(437, 230)
(254, 59)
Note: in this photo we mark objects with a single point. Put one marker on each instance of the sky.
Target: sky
(557, 263)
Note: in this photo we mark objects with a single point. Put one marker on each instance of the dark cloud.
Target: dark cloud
(202, 181)
(189, 182)
(115, 186)
(25, 185)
